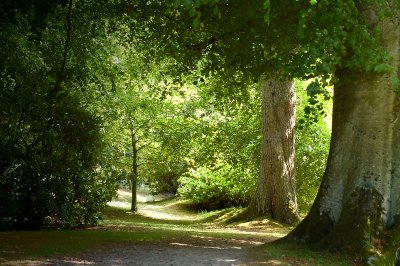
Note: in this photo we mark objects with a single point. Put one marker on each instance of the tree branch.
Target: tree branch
(143, 146)
(57, 86)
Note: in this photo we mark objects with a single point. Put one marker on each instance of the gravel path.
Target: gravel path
(193, 251)
(161, 255)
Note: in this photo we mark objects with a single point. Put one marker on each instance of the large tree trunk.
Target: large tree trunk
(275, 195)
(360, 190)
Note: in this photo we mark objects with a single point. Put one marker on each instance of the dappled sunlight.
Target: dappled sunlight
(226, 260)
(48, 262)
(119, 204)
(268, 262)
(228, 240)
(273, 229)
(175, 210)
(226, 215)
(25, 262)
(154, 207)
(208, 247)
(175, 214)
(161, 215)
(124, 198)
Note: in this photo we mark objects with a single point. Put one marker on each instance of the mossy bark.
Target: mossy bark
(275, 195)
(360, 191)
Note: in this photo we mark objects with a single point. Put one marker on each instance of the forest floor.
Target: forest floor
(168, 231)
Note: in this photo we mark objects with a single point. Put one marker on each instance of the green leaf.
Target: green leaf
(313, 2)
(312, 101)
(313, 88)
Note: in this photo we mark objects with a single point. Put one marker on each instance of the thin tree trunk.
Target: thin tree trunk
(275, 195)
(57, 86)
(360, 191)
(134, 171)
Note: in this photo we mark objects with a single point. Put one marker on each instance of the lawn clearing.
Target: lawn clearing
(168, 225)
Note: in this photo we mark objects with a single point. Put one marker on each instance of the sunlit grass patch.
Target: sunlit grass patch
(284, 253)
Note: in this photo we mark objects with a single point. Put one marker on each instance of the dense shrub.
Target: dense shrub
(48, 154)
(217, 187)
(50, 143)
(165, 182)
(164, 177)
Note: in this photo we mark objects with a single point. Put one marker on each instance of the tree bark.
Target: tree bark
(360, 191)
(275, 195)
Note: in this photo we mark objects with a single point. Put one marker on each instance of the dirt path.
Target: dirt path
(193, 249)
(193, 252)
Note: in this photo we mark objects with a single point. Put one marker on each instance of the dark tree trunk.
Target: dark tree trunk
(275, 195)
(360, 191)
(61, 76)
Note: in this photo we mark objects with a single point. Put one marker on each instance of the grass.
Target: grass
(26, 245)
(163, 221)
(297, 254)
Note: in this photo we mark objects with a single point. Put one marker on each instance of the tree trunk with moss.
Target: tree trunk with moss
(275, 196)
(360, 191)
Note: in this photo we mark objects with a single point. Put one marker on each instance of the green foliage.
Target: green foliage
(220, 134)
(50, 144)
(385, 248)
(217, 187)
(312, 144)
(301, 39)
(226, 132)
(48, 159)
(172, 155)
(382, 241)
(336, 36)
(312, 148)
(136, 110)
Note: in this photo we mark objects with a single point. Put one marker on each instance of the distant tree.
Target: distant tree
(276, 189)
(130, 106)
(133, 128)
